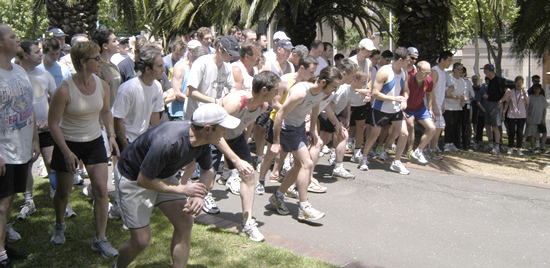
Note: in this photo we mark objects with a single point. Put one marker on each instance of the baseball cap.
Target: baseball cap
(413, 50)
(193, 44)
(367, 44)
(489, 67)
(285, 44)
(214, 114)
(280, 35)
(230, 44)
(56, 32)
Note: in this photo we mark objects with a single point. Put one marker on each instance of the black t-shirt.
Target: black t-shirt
(496, 88)
(126, 68)
(162, 151)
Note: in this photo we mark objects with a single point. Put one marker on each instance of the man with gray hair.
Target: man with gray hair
(298, 52)
(77, 38)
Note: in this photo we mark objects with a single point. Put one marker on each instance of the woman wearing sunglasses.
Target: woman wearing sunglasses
(74, 119)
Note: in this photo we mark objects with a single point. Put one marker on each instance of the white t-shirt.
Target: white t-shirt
(208, 80)
(134, 104)
(443, 82)
(342, 97)
(357, 98)
(452, 104)
(42, 83)
(16, 115)
(322, 64)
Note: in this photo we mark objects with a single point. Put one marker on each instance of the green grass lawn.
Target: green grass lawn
(210, 246)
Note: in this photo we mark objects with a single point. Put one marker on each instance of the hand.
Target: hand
(343, 132)
(114, 146)
(35, 150)
(275, 148)
(314, 137)
(194, 205)
(499, 104)
(43, 126)
(244, 167)
(366, 99)
(403, 105)
(197, 189)
(71, 162)
(2, 167)
(437, 113)
(400, 99)
(432, 114)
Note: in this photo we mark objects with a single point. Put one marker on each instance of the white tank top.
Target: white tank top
(392, 87)
(247, 78)
(297, 116)
(247, 118)
(440, 86)
(80, 121)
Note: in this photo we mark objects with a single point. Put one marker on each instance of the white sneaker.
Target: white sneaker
(343, 174)
(83, 173)
(510, 151)
(77, 180)
(210, 206)
(11, 234)
(356, 158)
(260, 189)
(291, 192)
(87, 191)
(397, 166)
(43, 172)
(26, 210)
(419, 156)
(332, 158)
(383, 154)
(58, 234)
(393, 147)
(325, 149)
(520, 153)
(309, 213)
(114, 212)
(234, 185)
(453, 148)
(447, 148)
(69, 213)
(364, 164)
(251, 230)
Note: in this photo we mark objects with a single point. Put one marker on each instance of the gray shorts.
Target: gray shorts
(293, 138)
(137, 203)
(493, 116)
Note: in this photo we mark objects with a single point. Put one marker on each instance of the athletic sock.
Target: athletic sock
(279, 194)
(303, 204)
(338, 165)
(28, 196)
(3, 255)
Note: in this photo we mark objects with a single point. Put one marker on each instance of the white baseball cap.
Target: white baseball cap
(280, 35)
(193, 44)
(413, 50)
(214, 114)
(367, 44)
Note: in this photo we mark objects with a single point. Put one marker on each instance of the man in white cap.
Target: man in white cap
(271, 53)
(411, 67)
(145, 178)
(360, 106)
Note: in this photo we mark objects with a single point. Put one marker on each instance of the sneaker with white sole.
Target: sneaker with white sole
(291, 192)
(11, 234)
(104, 247)
(454, 148)
(69, 213)
(342, 173)
(77, 180)
(210, 206)
(419, 156)
(520, 153)
(510, 151)
(251, 230)
(26, 210)
(114, 212)
(260, 189)
(356, 158)
(325, 149)
(234, 185)
(364, 164)
(383, 154)
(309, 213)
(397, 166)
(332, 158)
(315, 187)
(83, 173)
(279, 204)
(58, 234)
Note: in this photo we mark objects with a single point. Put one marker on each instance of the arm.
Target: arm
(107, 118)
(35, 144)
(57, 108)
(405, 94)
(291, 102)
(242, 166)
(329, 110)
(193, 93)
(194, 204)
(120, 131)
(313, 131)
(155, 119)
(159, 185)
(381, 78)
(238, 77)
(276, 103)
(168, 96)
(449, 91)
(504, 98)
(177, 80)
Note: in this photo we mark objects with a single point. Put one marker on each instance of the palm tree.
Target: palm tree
(423, 24)
(531, 29)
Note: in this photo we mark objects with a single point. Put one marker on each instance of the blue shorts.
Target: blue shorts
(293, 138)
(419, 114)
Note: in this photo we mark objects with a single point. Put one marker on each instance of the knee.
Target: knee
(307, 164)
(99, 192)
(141, 242)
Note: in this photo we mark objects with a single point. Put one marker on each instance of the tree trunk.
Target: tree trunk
(78, 18)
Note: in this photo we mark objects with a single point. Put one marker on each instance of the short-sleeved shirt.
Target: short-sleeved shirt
(535, 110)
(496, 88)
(111, 75)
(126, 68)
(452, 104)
(134, 104)
(59, 72)
(417, 91)
(357, 98)
(16, 116)
(43, 84)
(208, 79)
(480, 99)
(169, 64)
(342, 97)
(322, 64)
(162, 151)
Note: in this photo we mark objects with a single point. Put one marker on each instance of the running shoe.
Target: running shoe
(11, 234)
(26, 210)
(210, 206)
(77, 180)
(383, 154)
(279, 204)
(291, 192)
(325, 149)
(419, 156)
(342, 173)
(104, 247)
(315, 187)
(260, 189)
(234, 185)
(364, 164)
(309, 213)
(397, 166)
(58, 234)
(251, 230)
(69, 213)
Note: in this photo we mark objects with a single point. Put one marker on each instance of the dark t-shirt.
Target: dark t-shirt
(126, 68)
(162, 151)
(496, 88)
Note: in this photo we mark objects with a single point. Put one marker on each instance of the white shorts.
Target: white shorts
(137, 203)
(439, 121)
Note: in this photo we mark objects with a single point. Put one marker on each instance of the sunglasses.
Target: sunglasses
(97, 58)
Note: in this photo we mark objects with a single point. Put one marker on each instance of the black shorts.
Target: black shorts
(381, 119)
(239, 147)
(325, 124)
(269, 134)
(45, 139)
(263, 119)
(541, 128)
(359, 112)
(91, 152)
(15, 179)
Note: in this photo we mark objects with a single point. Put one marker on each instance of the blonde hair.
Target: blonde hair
(81, 51)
